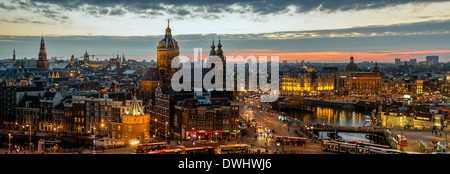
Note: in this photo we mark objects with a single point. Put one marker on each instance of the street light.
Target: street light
(401, 140)
(9, 144)
(102, 126)
(165, 129)
(29, 148)
(93, 150)
(282, 134)
(217, 138)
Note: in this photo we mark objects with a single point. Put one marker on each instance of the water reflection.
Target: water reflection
(335, 117)
(331, 116)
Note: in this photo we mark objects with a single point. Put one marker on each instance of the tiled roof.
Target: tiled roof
(151, 74)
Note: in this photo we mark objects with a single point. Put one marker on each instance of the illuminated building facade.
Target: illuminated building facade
(343, 82)
(324, 83)
(365, 82)
(296, 83)
(98, 112)
(207, 118)
(307, 83)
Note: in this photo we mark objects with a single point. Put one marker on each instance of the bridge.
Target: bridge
(349, 129)
(379, 136)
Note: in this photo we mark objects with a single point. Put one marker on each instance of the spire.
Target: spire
(219, 45)
(213, 49)
(375, 69)
(72, 59)
(168, 30)
(219, 49)
(135, 108)
(42, 52)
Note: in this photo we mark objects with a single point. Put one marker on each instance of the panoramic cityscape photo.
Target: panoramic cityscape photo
(224, 77)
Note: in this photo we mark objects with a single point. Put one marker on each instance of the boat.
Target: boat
(367, 121)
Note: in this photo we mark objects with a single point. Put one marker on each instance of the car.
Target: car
(259, 126)
(267, 130)
(261, 133)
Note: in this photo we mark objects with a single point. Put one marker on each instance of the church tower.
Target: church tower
(166, 51)
(42, 62)
(213, 49)
(86, 57)
(72, 60)
(219, 51)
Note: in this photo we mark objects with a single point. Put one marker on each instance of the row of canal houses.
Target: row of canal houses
(397, 115)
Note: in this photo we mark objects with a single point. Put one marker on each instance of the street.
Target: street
(263, 121)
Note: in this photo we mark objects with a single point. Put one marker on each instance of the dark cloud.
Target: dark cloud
(6, 7)
(420, 28)
(182, 8)
(55, 15)
(117, 12)
(435, 37)
(23, 20)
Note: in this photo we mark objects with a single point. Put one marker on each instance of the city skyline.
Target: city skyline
(370, 31)
(193, 77)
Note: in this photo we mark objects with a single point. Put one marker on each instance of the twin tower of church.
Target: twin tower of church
(167, 50)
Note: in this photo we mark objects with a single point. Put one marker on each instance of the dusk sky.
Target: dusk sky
(312, 30)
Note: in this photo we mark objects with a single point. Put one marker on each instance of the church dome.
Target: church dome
(352, 65)
(168, 42)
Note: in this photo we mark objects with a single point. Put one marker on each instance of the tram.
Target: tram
(354, 148)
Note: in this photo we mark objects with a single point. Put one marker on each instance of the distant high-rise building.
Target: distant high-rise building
(432, 60)
(412, 61)
(42, 62)
(14, 54)
(397, 61)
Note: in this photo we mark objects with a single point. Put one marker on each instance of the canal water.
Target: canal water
(334, 117)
